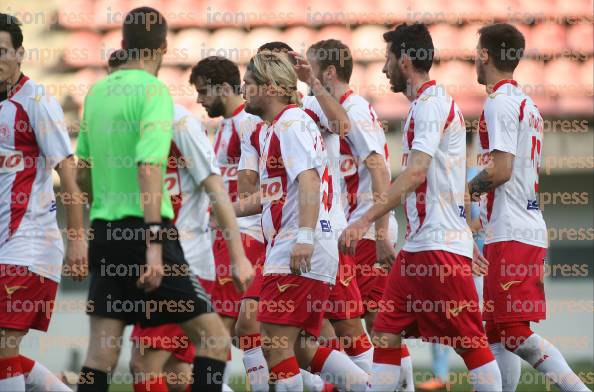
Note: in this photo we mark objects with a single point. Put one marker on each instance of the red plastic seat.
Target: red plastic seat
(445, 40)
(376, 85)
(110, 14)
(587, 76)
(229, 43)
(184, 13)
(78, 15)
(187, 47)
(577, 38)
(256, 38)
(368, 43)
(300, 38)
(83, 49)
(548, 38)
(335, 32)
(530, 74)
(561, 77)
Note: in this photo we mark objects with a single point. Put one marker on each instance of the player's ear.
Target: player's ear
(164, 47)
(20, 54)
(483, 55)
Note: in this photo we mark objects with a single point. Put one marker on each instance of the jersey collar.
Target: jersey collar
(238, 110)
(275, 119)
(345, 96)
(504, 81)
(14, 89)
(425, 86)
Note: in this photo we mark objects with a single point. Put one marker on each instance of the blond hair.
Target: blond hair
(273, 68)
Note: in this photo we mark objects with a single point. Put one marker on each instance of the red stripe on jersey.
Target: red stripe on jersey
(490, 202)
(451, 116)
(407, 221)
(425, 86)
(234, 147)
(352, 181)
(421, 198)
(522, 105)
(316, 119)
(255, 137)
(276, 170)
(218, 140)
(410, 132)
(386, 151)
(345, 96)
(24, 141)
(175, 158)
(21, 82)
(483, 135)
(238, 110)
(327, 196)
(504, 81)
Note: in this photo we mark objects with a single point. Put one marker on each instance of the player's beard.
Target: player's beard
(397, 80)
(480, 73)
(253, 109)
(216, 109)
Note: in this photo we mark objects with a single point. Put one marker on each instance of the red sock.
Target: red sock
(247, 342)
(284, 369)
(10, 367)
(514, 334)
(404, 351)
(229, 355)
(389, 356)
(477, 357)
(317, 362)
(359, 345)
(26, 364)
(154, 384)
(333, 343)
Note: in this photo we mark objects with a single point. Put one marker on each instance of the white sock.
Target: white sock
(363, 360)
(545, 358)
(343, 373)
(312, 382)
(227, 373)
(406, 382)
(226, 388)
(485, 378)
(510, 366)
(290, 384)
(40, 379)
(13, 384)
(383, 377)
(256, 369)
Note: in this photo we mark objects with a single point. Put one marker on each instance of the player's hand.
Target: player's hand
(301, 258)
(303, 69)
(150, 279)
(77, 258)
(480, 265)
(385, 252)
(347, 243)
(242, 273)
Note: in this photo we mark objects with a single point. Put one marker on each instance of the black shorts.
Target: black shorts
(117, 253)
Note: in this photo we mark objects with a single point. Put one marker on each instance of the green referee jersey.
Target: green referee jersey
(127, 120)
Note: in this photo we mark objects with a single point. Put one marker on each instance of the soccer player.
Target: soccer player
(511, 137)
(301, 257)
(126, 136)
(33, 142)
(430, 292)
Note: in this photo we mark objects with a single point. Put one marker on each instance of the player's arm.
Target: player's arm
(497, 172)
(413, 176)
(76, 252)
(337, 117)
(309, 208)
(248, 186)
(380, 182)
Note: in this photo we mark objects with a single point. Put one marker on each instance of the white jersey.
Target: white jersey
(227, 148)
(288, 146)
(33, 140)
(332, 144)
(511, 123)
(191, 161)
(435, 210)
(365, 137)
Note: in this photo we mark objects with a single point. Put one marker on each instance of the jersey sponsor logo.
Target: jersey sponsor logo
(229, 172)
(348, 165)
(346, 281)
(284, 287)
(10, 290)
(325, 225)
(224, 281)
(53, 206)
(462, 211)
(532, 205)
(4, 132)
(506, 286)
(172, 183)
(271, 189)
(11, 161)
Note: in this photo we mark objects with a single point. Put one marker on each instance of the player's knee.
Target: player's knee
(514, 334)
(105, 359)
(349, 328)
(492, 332)
(245, 327)
(385, 340)
(136, 364)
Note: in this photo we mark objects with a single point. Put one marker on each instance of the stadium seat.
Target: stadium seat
(187, 47)
(184, 13)
(576, 38)
(548, 38)
(110, 14)
(458, 77)
(530, 75)
(324, 12)
(110, 41)
(256, 38)
(587, 77)
(468, 39)
(445, 40)
(83, 49)
(576, 8)
(299, 38)
(368, 43)
(375, 85)
(83, 80)
(335, 32)
(227, 42)
(78, 15)
(561, 77)
(358, 82)
(391, 107)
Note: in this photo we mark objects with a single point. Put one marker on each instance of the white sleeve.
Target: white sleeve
(312, 107)
(300, 143)
(50, 130)
(200, 159)
(366, 135)
(429, 122)
(250, 150)
(502, 120)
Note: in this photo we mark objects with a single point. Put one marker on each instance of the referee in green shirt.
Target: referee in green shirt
(137, 267)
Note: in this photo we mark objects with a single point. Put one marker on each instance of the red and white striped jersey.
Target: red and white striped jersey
(227, 148)
(435, 210)
(365, 137)
(511, 123)
(286, 147)
(332, 144)
(191, 161)
(33, 140)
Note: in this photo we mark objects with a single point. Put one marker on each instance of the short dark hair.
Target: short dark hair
(12, 26)
(275, 46)
(117, 58)
(333, 52)
(413, 41)
(216, 70)
(498, 39)
(145, 29)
